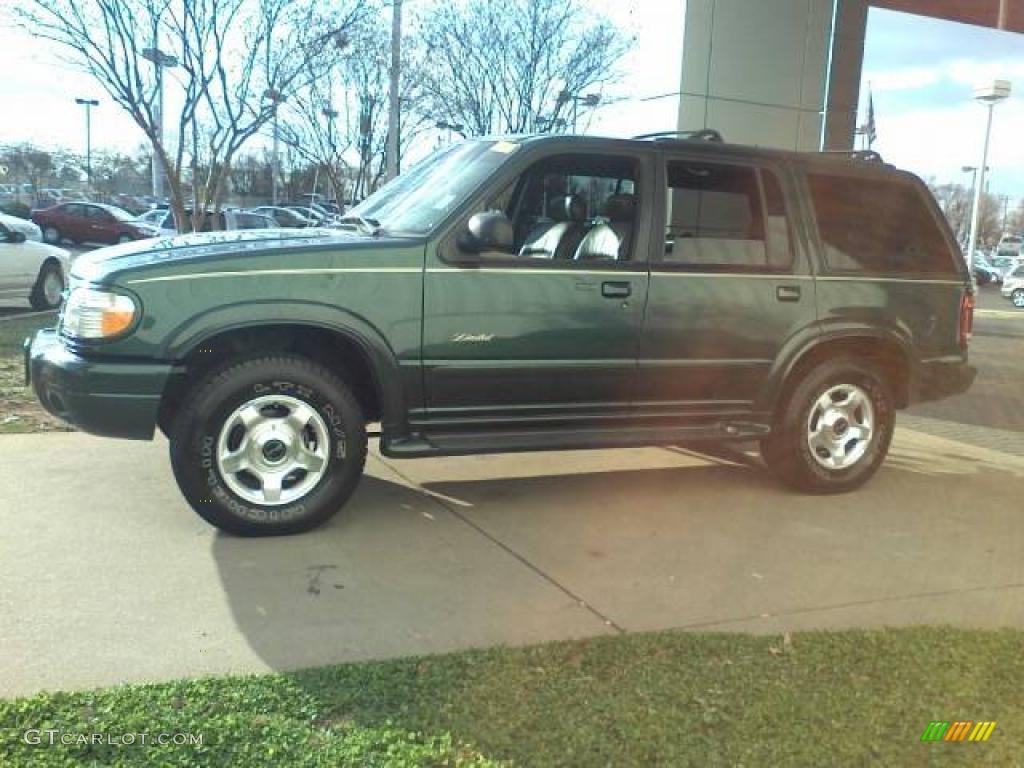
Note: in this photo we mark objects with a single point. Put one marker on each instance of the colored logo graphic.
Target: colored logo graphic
(958, 730)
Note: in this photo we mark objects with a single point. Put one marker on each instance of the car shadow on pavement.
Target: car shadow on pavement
(493, 561)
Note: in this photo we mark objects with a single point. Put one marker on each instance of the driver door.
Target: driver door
(545, 331)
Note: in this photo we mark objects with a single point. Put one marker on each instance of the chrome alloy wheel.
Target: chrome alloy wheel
(1017, 297)
(841, 426)
(273, 450)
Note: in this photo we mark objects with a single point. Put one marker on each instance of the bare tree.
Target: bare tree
(516, 66)
(239, 60)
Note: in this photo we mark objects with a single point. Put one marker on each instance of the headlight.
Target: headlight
(93, 314)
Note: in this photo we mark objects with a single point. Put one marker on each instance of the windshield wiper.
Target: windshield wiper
(368, 226)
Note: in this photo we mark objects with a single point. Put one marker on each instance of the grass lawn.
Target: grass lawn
(678, 699)
(19, 409)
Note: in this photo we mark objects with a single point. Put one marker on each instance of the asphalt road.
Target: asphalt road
(997, 349)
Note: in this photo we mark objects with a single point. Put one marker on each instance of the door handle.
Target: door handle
(616, 290)
(788, 293)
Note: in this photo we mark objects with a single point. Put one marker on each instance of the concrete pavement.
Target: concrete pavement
(109, 577)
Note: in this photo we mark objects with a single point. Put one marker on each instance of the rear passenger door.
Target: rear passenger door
(730, 287)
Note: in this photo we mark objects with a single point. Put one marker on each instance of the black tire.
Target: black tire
(786, 450)
(37, 298)
(196, 430)
(52, 235)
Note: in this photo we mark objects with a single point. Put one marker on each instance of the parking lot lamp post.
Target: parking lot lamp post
(989, 95)
(275, 97)
(590, 100)
(88, 104)
(331, 115)
(161, 61)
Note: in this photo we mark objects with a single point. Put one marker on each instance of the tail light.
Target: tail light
(966, 318)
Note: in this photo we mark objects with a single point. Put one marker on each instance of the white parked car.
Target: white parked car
(28, 228)
(228, 220)
(1013, 287)
(32, 270)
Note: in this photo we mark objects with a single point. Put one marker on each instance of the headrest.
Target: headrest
(568, 208)
(620, 207)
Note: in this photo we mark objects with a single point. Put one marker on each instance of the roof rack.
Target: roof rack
(706, 134)
(867, 155)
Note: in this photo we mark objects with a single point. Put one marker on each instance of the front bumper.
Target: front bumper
(937, 380)
(114, 399)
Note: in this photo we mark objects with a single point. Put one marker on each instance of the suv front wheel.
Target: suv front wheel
(269, 446)
(833, 431)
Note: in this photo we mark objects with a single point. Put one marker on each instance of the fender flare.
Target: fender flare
(383, 362)
(807, 341)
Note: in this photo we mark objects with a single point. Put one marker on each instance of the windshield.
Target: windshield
(419, 200)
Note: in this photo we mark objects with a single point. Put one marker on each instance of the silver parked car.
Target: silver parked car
(1013, 287)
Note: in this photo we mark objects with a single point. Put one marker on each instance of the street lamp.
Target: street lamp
(275, 96)
(441, 125)
(590, 100)
(989, 95)
(88, 104)
(160, 60)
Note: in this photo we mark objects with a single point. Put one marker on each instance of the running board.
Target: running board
(508, 441)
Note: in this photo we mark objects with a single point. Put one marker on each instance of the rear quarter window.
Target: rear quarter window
(878, 226)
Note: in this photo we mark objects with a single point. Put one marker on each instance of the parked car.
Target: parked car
(1003, 265)
(1013, 287)
(285, 217)
(537, 293)
(27, 227)
(154, 217)
(229, 220)
(984, 272)
(1009, 245)
(30, 269)
(319, 218)
(83, 222)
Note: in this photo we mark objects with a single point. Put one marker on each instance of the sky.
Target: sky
(921, 72)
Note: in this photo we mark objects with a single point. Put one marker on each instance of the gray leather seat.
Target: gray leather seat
(558, 238)
(610, 240)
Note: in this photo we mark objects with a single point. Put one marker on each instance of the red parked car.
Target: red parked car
(90, 223)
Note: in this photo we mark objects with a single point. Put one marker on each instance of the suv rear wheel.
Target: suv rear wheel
(269, 446)
(833, 431)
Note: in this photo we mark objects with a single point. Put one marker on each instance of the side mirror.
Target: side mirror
(16, 237)
(487, 231)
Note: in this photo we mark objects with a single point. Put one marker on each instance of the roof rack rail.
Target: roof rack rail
(706, 134)
(868, 155)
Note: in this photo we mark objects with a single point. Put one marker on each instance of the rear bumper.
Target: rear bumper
(937, 380)
(114, 399)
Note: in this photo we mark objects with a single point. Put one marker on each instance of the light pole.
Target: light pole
(989, 95)
(590, 100)
(451, 128)
(88, 104)
(160, 60)
(331, 115)
(394, 105)
(275, 96)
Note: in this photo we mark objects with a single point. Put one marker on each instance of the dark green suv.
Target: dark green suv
(517, 294)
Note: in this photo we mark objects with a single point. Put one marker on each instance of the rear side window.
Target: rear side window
(878, 227)
(725, 218)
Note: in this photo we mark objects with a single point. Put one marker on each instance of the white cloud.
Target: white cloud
(940, 141)
(908, 79)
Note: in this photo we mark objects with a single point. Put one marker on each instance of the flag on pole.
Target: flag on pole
(870, 129)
